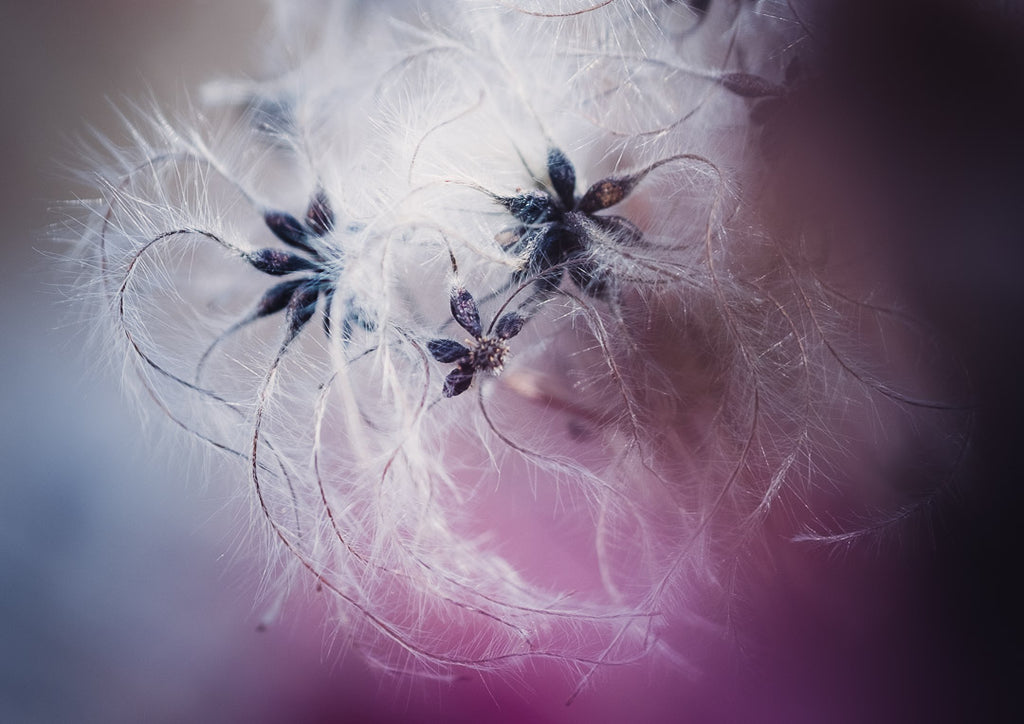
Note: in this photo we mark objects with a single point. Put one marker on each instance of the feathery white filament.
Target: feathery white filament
(642, 428)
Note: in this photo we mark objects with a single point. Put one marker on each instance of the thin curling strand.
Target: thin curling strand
(566, 201)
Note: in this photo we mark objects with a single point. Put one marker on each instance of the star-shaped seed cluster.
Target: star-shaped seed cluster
(485, 353)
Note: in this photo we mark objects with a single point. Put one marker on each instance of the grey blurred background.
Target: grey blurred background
(115, 602)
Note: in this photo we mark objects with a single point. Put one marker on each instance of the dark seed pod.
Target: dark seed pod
(457, 381)
(277, 297)
(746, 85)
(319, 215)
(533, 207)
(302, 306)
(447, 350)
(278, 263)
(563, 177)
(509, 326)
(288, 229)
(465, 312)
(605, 193)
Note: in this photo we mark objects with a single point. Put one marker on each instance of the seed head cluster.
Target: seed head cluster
(672, 364)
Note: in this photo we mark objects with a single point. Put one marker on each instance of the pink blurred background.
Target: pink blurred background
(122, 599)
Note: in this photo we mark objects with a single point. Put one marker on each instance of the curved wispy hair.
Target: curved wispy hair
(571, 184)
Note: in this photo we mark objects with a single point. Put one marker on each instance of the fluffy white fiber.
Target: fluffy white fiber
(639, 434)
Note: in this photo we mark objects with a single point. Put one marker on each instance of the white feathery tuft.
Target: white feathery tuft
(687, 367)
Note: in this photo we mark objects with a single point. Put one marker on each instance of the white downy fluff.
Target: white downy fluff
(590, 495)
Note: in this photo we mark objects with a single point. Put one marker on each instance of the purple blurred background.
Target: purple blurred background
(122, 599)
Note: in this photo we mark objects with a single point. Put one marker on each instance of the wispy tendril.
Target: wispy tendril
(674, 362)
